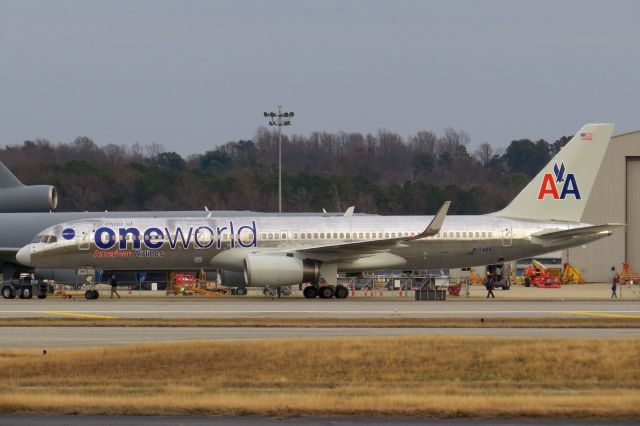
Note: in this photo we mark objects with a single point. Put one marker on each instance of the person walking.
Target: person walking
(489, 285)
(114, 286)
(614, 286)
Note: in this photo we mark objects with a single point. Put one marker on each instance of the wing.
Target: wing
(8, 254)
(357, 249)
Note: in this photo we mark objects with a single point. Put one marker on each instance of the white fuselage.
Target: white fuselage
(224, 242)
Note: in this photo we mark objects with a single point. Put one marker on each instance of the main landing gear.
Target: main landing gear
(326, 292)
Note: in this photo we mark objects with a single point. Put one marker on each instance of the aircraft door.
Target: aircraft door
(84, 241)
(507, 236)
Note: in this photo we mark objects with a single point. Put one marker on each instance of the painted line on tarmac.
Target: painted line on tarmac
(78, 314)
(602, 314)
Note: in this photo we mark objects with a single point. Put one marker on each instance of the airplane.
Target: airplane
(27, 209)
(280, 251)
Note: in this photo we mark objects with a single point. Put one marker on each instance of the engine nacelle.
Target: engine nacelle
(277, 271)
(37, 198)
(229, 278)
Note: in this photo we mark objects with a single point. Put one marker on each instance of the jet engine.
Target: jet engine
(279, 271)
(229, 278)
(37, 198)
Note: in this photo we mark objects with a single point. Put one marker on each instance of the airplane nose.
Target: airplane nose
(24, 256)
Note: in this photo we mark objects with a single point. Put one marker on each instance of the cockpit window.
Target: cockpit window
(46, 239)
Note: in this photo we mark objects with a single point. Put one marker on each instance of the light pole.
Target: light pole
(279, 119)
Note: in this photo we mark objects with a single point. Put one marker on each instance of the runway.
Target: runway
(301, 308)
(65, 337)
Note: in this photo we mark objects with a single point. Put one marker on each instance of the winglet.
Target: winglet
(349, 211)
(436, 223)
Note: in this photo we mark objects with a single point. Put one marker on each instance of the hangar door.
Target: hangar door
(633, 212)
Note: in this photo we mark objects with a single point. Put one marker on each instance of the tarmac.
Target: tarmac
(237, 307)
(77, 337)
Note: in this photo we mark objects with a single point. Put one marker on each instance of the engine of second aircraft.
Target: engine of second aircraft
(37, 198)
(264, 270)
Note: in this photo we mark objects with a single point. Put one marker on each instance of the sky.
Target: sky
(191, 75)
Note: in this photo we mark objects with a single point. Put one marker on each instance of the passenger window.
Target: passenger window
(284, 235)
(386, 235)
(308, 235)
(264, 236)
(322, 235)
(335, 235)
(270, 236)
(457, 235)
(341, 235)
(484, 234)
(348, 235)
(477, 235)
(360, 235)
(366, 235)
(295, 235)
(393, 235)
(302, 236)
(490, 235)
(315, 236)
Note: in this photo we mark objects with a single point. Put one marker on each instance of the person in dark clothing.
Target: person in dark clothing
(489, 284)
(114, 286)
(614, 286)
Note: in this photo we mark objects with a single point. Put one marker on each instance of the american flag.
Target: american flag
(586, 136)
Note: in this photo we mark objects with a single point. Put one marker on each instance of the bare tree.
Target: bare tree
(484, 154)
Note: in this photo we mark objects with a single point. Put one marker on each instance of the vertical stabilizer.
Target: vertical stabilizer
(561, 190)
(8, 179)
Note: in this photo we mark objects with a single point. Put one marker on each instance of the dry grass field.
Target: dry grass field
(413, 376)
(377, 322)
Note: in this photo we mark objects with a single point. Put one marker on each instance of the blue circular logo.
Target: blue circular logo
(68, 234)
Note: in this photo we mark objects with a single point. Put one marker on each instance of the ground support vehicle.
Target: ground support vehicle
(24, 289)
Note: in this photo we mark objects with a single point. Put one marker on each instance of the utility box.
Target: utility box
(431, 295)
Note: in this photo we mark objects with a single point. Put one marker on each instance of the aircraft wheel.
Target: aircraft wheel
(88, 294)
(326, 292)
(341, 292)
(96, 294)
(310, 292)
(26, 293)
(241, 291)
(7, 293)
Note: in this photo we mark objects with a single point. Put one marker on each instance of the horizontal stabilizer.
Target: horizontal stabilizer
(577, 232)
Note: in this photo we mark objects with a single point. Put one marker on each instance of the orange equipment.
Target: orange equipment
(629, 276)
(571, 275)
(475, 279)
(538, 275)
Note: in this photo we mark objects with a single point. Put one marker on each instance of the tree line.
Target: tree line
(378, 173)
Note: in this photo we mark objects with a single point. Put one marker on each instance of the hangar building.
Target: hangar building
(615, 197)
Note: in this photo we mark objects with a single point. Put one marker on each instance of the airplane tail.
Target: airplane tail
(561, 190)
(8, 179)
